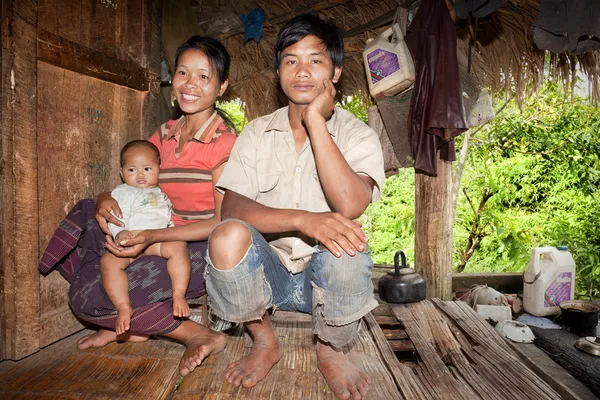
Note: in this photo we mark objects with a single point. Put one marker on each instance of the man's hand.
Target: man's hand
(322, 105)
(334, 231)
(104, 205)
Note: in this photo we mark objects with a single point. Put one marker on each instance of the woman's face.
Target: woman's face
(196, 84)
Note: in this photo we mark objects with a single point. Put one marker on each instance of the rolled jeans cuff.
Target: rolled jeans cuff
(342, 309)
(333, 325)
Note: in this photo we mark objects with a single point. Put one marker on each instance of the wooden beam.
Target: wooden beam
(511, 282)
(433, 230)
(151, 66)
(383, 19)
(179, 24)
(323, 5)
(63, 53)
(19, 280)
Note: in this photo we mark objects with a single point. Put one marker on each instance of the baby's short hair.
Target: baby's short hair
(137, 144)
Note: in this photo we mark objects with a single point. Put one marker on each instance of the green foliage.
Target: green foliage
(542, 166)
(234, 110)
(357, 106)
(390, 222)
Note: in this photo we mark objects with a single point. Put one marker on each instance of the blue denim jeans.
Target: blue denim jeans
(337, 291)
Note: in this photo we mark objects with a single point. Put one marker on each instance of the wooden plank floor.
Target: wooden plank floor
(458, 356)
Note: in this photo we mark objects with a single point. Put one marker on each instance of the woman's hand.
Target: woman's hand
(131, 248)
(104, 205)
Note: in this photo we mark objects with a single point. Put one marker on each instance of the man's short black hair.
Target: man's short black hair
(137, 144)
(308, 24)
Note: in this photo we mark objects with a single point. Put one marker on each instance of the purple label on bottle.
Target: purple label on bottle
(381, 64)
(559, 290)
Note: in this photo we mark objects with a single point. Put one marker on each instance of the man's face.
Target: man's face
(303, 67)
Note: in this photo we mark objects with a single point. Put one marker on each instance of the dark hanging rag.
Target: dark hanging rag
(437, 114)
(253, 25)
(568, 26)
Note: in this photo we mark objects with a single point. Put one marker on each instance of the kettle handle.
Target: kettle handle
(399, 254)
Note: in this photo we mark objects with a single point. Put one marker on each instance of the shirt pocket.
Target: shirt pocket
(269, 188)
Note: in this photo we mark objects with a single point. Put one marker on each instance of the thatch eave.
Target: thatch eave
(503, 55)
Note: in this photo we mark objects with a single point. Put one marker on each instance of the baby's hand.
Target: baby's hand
(122, 237)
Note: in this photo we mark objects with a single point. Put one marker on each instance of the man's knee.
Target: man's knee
(228, 243)
(346, 274)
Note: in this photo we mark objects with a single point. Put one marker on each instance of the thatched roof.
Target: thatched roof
(503, 53)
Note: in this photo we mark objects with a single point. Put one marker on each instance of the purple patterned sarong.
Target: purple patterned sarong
(75, 249)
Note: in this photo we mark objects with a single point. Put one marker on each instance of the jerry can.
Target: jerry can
(388, 63)
(549, 279)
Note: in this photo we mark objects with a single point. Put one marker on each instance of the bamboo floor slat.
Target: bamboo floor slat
(459, 356)
(117, 371)
(296, 375)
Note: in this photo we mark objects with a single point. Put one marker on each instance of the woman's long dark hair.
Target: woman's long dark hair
(219, 59)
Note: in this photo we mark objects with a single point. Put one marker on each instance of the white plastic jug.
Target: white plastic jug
(388, 63)
(549, 279)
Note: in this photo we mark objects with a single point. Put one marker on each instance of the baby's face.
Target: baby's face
(140, 168)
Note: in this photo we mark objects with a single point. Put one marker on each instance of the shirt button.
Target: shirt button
(297, 205)
(298, 169)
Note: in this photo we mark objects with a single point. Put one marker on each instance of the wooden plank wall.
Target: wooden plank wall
(18, 252)
(85, 80)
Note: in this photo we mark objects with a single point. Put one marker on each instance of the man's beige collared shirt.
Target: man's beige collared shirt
(265, 166)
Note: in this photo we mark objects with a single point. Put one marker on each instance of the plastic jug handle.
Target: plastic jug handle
(397, 32)
(387, 35)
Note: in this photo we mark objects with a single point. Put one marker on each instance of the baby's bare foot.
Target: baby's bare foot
(345, 380)
(180, 306)
(123, 319)
(105, 336)
(265, 353)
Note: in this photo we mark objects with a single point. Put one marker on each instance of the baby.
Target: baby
(144, 206)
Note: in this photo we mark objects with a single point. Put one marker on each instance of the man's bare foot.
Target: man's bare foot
(123, 323)
(105, 336)
(265, 353)
(180, 306)
(345, 380)
(200, 342)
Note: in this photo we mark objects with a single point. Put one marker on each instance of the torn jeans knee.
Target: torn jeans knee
(240, 294)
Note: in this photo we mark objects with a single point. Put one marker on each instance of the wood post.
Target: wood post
(19, 248)
(433, 230)
(151, 62)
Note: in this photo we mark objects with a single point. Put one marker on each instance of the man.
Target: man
(294, 183)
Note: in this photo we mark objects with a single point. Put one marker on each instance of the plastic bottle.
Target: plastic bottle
(549, 279)
(388, 63)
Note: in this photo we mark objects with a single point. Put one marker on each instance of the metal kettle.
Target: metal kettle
(403, 285)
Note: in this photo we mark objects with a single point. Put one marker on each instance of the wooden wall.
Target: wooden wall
(79, 80)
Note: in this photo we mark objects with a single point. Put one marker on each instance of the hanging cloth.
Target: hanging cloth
(568, 26)
(437, 114)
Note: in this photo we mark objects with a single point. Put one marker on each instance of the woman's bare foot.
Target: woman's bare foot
(180, 306)
(200, 342)
(105, 336)
(265, 353)
(344, 378)
(124, 314)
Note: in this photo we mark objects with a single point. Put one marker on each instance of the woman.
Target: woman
(193, 150)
